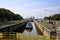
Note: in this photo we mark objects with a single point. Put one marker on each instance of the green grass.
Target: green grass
(11, 22)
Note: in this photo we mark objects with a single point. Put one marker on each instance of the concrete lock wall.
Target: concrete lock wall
(38, 26)
(1, 35)
(42, 29)
(11, 28)
(46, 33)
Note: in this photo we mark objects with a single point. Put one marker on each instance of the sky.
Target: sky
(30, 8)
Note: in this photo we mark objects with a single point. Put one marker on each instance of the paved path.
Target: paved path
(47, 25)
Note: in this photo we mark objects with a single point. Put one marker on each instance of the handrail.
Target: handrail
(21, 36)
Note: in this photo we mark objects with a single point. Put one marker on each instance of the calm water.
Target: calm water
(31, 31)
(35, 30)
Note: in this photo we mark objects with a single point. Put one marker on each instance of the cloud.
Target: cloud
(37, 13)
(28, 8)
(40, 13)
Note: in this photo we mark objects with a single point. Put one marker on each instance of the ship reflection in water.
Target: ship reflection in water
(30, 28)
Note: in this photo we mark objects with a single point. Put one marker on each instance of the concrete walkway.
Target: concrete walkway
(47, 25)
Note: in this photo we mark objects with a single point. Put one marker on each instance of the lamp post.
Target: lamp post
(54, 26)
(51, 13)
(52, 18)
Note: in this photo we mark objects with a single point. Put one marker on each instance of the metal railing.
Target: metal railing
(20, 36)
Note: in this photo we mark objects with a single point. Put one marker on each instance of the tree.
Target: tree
(53, 17)
(8, 15)
(56, 16)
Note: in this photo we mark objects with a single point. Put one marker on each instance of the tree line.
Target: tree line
(53, 17)
(8, 15)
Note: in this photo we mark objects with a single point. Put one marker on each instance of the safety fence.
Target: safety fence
(20, 36)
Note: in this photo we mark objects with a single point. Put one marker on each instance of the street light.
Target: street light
(51, 13)
(48, 10)
(53, 19)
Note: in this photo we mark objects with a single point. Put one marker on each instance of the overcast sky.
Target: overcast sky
(28, 8)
